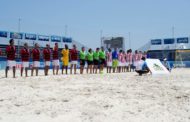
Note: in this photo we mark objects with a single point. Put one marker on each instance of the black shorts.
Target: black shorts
(96, 62)
(102, 61)
(82, 62)
(90, 62)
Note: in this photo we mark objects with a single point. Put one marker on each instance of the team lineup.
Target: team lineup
(115, 61)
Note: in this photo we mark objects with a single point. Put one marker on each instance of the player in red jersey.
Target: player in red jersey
(55, 56)
(11, 63)
(47, 57)
(74, 59)
(36, 59)
(25, 54)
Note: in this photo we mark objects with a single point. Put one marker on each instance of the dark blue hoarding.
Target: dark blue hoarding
(30, 36)
(183, 40)
(67, 40)
(169, 41)
(3, 34)
(15, 35)
(43, 38)
(55, 38)
(156, 42)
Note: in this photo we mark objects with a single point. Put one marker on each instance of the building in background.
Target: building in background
(175, 50)
(113, 42)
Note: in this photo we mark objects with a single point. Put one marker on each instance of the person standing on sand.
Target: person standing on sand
(96, 60)
(129, 60)
(55, 55)
(123, 61)
(115, 60)
(102, 56)
(74, 59)
(11, 63)
(135, 59)
(47, 58)
(25, 54)
(65, 58)
(89, 58)
(82, 56)
(120, 56)
(36, 59)
(109, 60)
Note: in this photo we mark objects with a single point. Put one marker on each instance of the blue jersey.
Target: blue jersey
(114, 55)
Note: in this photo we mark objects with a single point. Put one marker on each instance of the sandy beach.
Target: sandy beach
(124, 97)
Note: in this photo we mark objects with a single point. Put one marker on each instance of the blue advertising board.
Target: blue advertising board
(67, 40)
(183, 40)
(55, 38)
(30, 36)
(156, 42)
(169, 41)
(43, 38)
(15, 35)
(3, 34)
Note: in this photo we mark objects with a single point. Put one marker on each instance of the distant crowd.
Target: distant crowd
(114, 60)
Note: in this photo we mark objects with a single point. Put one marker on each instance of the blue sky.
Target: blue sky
(144, 19)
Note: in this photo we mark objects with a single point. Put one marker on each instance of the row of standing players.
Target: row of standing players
(120, 62)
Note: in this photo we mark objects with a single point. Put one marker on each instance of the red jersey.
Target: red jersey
(55, 54)
(36, 54)
(25, 53)
(47, 54)
(11, 51)
(74, 55)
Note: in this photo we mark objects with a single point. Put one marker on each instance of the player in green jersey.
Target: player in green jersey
(82, 56)
(102, 56)
(96, 60)
(89, 58)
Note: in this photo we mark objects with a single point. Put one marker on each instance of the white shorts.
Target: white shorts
(11, 63)
(127, 64)
(135, 63)
(56, 62)
(25, 64)
(47, 63)
(109, 64)
(120, 64)
(36, 64)
(74, 62)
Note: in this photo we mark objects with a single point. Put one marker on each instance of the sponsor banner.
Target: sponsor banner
(156, 67)
(55, 38)
(156, 42)
(43, 38)
(67, 40)
(183, 40)
(169, 41)
(3, 34)
(15, 35)
(30, 36)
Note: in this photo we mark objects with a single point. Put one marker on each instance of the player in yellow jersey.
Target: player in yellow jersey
(65, 58)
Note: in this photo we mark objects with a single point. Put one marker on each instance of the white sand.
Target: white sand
(123, 97)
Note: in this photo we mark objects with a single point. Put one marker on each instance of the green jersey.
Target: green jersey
(102, 55)
(89, 56)
(82, 55)
(96, 55)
